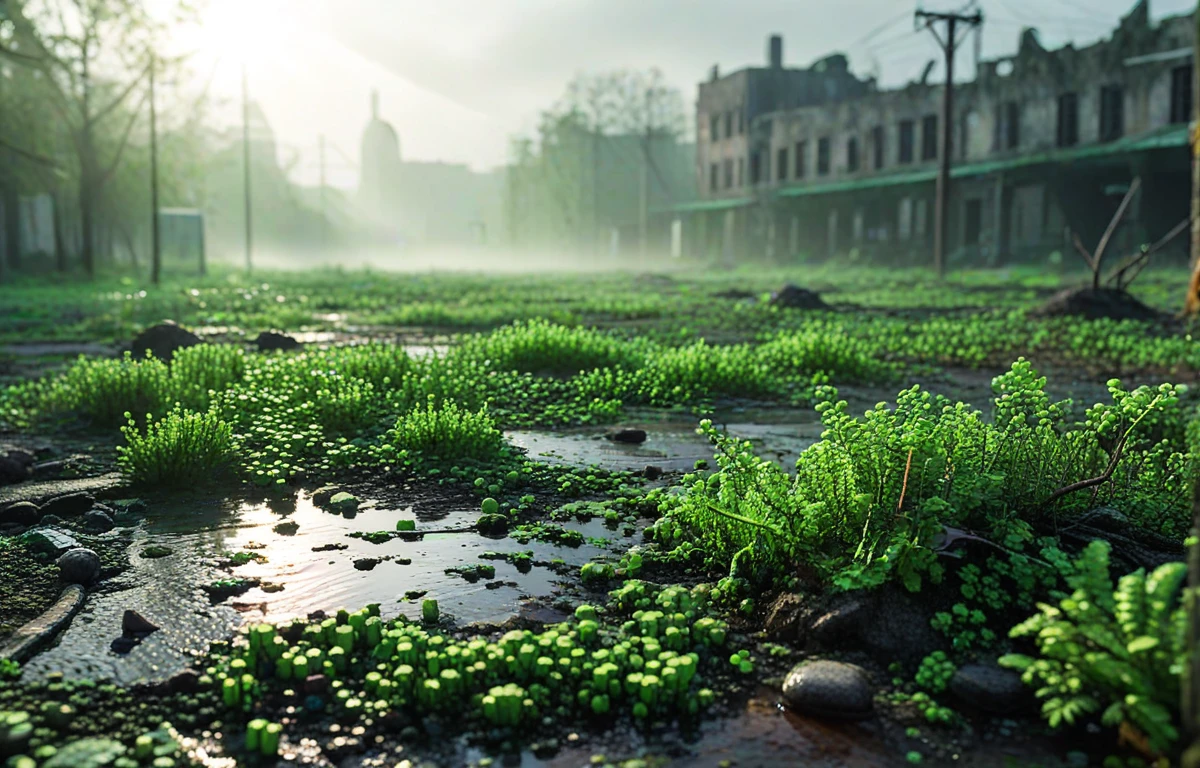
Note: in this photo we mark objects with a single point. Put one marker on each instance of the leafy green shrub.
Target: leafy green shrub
(538, 346)
(445, 433)
(1120, 652)
(196, 371)
(180, 450)
(105, 390)
(868, 501)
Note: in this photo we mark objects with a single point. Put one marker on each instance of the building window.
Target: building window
(904, 218)
(823, 156)
(741, 122)
(1008, 126)
(728, 174)
(741, 179)
(906, 141)
(1068, 119)
(1181, 94)
(1112, 112)
(714, 172)
(781, 164)
(756, 167)
(852, 154)
(801, 153)
(929, 138)
(714, 127)
(877, 145)
(919, 215)
(728, 123)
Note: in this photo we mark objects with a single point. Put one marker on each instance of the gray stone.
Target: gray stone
(52, 520)
(184, 681)
(162, 341)
(134, 623)
(989, 688)
(631, 436)
(795, 297)
(69, 505)
(13, 471)
(21, 513)
(829, 689)
(269, 341)
(97, 521)
(322, 495)
(79, 566)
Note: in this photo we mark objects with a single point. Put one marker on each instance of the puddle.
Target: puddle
(673, 447)
(169, 590)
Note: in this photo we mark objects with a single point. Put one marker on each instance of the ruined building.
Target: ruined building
(816, 163)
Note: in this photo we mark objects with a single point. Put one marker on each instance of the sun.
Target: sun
(246, 32)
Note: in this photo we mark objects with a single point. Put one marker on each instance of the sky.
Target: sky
(459, 78)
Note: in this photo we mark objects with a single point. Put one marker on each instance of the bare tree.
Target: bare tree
(93, 57)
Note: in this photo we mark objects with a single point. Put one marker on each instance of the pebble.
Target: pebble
(828, 689)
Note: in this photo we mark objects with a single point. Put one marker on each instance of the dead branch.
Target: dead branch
(1098, 256)
(904, 485)
(1083, 251)
(1140, 258)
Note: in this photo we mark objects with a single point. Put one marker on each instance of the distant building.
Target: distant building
(1045, 144)
(422, 203)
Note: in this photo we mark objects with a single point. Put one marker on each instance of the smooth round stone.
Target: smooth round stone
(828, 689)
(989, 688)
(79, 566)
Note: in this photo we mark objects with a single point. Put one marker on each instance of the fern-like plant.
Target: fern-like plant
(180, 450)
(1119, 652)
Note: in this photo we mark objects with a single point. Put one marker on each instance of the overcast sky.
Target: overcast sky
(457, 78)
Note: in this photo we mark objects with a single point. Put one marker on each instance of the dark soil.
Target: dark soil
(1097, 304)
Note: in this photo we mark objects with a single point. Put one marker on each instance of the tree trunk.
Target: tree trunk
(87, 215)
(60, 246)
(12, 228)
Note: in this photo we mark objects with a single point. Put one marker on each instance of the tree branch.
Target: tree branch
(116, 102)
(1098, 255)
(107, 173)
(1138, 258)
(27, 154)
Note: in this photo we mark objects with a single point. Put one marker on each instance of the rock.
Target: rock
(652, 472)
(79, 566)
(795, 297)
(12, 529)
(631, 436)
(366, 563)
(21, 513)
(492, 525)
(69, 505)
(734, 293)
(886, 622)
(269, 341)
(97, 522)
(989, 688)
(134, 623)
(322, 495)
(52, 520)
(184, 681)
(828, 689)
(13, 471)
(162, 340)
(343, 502)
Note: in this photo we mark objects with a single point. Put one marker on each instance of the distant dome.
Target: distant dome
(380, 140)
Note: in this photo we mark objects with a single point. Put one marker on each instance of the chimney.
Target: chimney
(715, 73)
(775, 51)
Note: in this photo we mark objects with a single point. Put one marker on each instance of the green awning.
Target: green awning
(696, 206)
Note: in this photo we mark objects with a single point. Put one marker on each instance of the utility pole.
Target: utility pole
(324, 214)
(155, 239)
(246, 164)
(949, 44)
(644, 217)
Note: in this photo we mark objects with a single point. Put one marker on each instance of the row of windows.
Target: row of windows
(1007, 135)
(731, 120)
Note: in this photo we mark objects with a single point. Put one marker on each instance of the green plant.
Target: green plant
(180, 450)
(935, 672)
(1115, 651)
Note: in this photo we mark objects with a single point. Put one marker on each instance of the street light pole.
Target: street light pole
(246, 166)
(155, 239)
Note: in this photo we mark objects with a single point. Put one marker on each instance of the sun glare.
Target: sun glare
(239, 31)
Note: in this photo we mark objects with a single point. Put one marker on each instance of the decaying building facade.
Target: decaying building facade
(1046, 142)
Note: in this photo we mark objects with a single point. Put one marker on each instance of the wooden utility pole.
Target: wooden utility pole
(155, 238)
(246, 165)
(644, 181)
(1190, 689)
(324, 210)
(949, 44)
